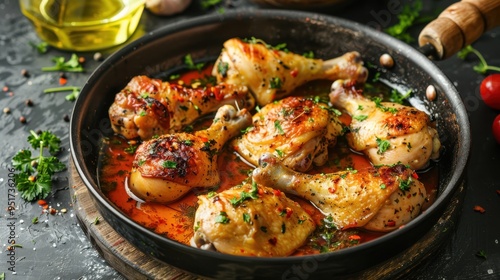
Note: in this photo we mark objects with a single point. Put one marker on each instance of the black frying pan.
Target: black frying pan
(329, 37)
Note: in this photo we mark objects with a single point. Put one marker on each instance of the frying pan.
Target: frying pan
(157, 52)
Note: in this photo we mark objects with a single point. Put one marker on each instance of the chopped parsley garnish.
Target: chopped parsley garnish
(275, 83)
(169, 164)
(309, 54)
(222, 218)
(378, 104)
(253, 194)
(130, 149)
(404, 185)
(360, 117)
(187, 142)
(222, 68)
(277, 126)
(398, 98)
(247, 218)
(279, 152)
(188, 60)
(383, 145)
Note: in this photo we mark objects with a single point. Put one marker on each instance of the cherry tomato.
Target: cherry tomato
(496, 129)
(490, 91)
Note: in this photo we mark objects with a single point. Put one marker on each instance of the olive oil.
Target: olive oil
(83, 25)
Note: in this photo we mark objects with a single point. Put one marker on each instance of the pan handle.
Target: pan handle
(458, 26)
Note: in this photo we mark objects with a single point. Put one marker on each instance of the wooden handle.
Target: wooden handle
(459, 25)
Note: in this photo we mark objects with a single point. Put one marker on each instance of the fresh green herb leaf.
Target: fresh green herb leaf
(222, 68)
(405, 185)
(398, 98)
(275, 83)
(309, 54)
(188, 142)
(253, 194)
(246, 218)
(383, 145)
(40, 47)
(280, 153)
(481, 254)
(169, 164)
(277, 126)
(482, 67)
(407, 18)
(378, 104)
(35, 177)
(360, 117)
(188, 60)
(75, 91)
(130, 149)
(205, 4)
(34, 220)
(222, 218)
(72, 65)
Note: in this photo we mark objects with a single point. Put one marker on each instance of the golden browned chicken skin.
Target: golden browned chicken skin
(351, 197)
(149, 107)
(166, 168)
(251, 220)
(296, 129)
(386, 132)
(272, 74)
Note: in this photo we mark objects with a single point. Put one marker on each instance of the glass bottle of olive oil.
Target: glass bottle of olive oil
(83, 25)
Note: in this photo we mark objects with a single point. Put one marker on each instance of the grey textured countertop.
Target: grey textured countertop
(57, 248)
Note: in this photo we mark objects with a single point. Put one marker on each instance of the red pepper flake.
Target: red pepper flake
(354, 237)
(260, 191)
(390, 223)
(289, 212)
(62, 81)
(52, 211)
(414, 175)
(217, 94)
(42, 202)
(277, 192)
(479, 209)
(331, 190)
(294, 73)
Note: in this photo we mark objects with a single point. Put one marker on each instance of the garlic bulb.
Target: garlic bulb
(167, 7)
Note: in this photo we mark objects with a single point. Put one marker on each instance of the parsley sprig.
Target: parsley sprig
(409, 16)
(75, 91)
(72, 65)
(482, 67)
(253, 194)
(34, 181)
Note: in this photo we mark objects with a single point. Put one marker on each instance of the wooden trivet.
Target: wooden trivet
(134, 264)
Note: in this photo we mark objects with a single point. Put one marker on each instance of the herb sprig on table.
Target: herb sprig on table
(482, 67)
(34, 180)
(60, 64)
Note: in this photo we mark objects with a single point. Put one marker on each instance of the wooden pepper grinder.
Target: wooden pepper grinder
(458, 26)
